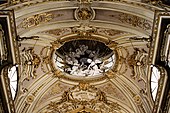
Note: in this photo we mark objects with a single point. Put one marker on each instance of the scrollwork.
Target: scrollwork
(37, 19)
(58, 32)
(31, 61)
(133, 20)
(84, 14)
(137, 60)
(84, 30)
(111, 32)
(90, 98)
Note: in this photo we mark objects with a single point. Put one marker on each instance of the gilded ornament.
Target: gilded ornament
(58, 32)
(111, 74)
(83, 86)
(57, 73)
(153, 2)
(141, 39)
(137, 99)
(112, 44)
(38, 89)
(137, 60)
(56, 44)
(27, 38)
(111, 32)
(84, 30)
(14, 2)
(31, 62)
(36, 61)
(46, 60)
(37, 19)
(30, 99)
(58, 58)
(90, 99)
(56, 89)
(84, 13)
(85, 1)
(133, 20)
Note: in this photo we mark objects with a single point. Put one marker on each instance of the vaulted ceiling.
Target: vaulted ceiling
(43, 26)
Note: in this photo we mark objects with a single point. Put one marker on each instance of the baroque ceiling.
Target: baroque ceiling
(120, 27)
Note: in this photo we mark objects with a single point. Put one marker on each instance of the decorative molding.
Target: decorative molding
(137, 61)
(167, 105)
(7, 96)
(133, 20)
(84, 13)
(59, 74)
(11, 57)
(38, 19)
(30, 62)
(137, 100)
(58, 32)
(24, 3)
(110, 32)
(87, 97)
(30, 99)
(159, 15)
(85, 30)
(85, 1)
(11, 44)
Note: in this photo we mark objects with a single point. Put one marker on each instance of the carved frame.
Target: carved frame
(58, 43)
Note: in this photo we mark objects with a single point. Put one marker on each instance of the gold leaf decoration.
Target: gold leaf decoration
(133, 20)
(91, 99)
(37, 19)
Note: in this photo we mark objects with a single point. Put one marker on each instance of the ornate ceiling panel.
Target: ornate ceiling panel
(44, 26)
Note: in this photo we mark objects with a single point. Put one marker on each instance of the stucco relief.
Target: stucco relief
(86, 31)
(55, 90)
(30, 62)
(88, 98)
(116, 38)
